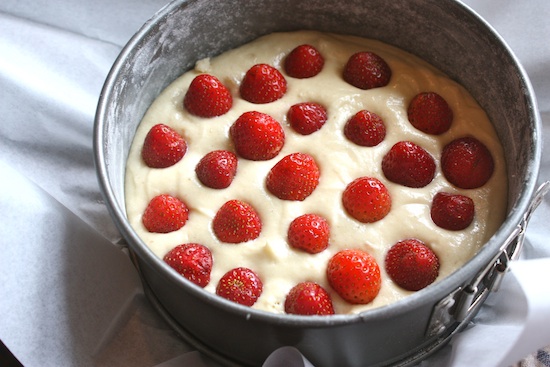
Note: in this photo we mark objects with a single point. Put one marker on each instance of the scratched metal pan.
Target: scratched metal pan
(445, 33)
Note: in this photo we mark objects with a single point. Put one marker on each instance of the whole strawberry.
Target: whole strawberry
(217, 169)
(366, 199)
(309, 232)
(452, 211)
(304, 61)
(367, 70)
(294, 177)
(165, 213)
(365, 128)
(240, 285)
(207, 97)
(412, 265)
(257, 136)
(236, 222)
(408, 164)
(163, 147)
(354, 275)
(467, 163)
(430, 113)
(193, 261)
(307, 117)
(308, 298)
(263, 83)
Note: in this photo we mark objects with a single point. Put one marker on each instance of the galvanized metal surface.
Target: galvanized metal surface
(445, 33)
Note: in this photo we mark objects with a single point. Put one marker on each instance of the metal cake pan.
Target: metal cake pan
(445, 33)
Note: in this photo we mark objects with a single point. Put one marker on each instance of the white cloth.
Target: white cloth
(68, 294)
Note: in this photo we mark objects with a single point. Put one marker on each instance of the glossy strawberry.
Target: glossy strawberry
(365, 128)
(207, 97)
(257, 136)
(307, 117)
(193, 261)
(367, 199)
(408, 164)
(304, 61)
(217, 169)
(412, 265)
(367, 70)
(354, 275)
(452, 211)
(294, 177)
(263, 83)
(163, 147)
(467, 163)
(165, 213)
(240, 285)
(430, 113)
(236, 222)
(309, 232)
(308, 298)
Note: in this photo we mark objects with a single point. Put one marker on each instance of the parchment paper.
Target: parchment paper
(69, 295)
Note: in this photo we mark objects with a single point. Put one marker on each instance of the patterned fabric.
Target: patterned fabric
(539, 359)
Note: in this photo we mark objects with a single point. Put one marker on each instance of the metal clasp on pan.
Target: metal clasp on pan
(461, 305)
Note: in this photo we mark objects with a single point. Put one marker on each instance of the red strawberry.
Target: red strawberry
(306, 118)
(236, 222)
(309, 232)
(257, 136)
(163, 147)
(294, 177)
(452, 211)
(365, 128)
(308, 298)
(354, 275)
(217, 169)
(304, 62)
(409, 165)
(467, 163)
(412, 265)
(207, 97)
(367, 70)
(191, 260)
(366, 199)
(430, 113)
(240, 285)
(262, 83)
(165, 213)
